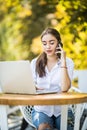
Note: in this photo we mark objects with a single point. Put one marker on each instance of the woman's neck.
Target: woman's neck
(52, 59)
(51, 62)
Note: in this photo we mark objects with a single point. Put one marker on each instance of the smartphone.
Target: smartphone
(58, 54)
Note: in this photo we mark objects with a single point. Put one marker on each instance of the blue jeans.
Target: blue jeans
(39, 118)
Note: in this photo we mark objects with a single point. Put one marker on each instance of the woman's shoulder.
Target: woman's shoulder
(69, 61)
(33, 61)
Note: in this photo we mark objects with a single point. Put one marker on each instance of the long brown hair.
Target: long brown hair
(42, 59)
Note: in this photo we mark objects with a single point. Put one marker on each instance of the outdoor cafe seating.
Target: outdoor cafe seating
(79, 109)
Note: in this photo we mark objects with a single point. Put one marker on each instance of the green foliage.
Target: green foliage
(23, 21)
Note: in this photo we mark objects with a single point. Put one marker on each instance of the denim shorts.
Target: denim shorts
(39, 118)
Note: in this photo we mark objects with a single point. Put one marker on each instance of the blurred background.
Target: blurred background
(22, 22)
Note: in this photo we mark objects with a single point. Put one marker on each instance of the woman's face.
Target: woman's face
(49, 44)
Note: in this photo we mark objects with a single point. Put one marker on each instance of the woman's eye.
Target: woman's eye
(51, 43)
(44, 43)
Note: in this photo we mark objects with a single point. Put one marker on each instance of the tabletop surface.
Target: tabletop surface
(44, 99)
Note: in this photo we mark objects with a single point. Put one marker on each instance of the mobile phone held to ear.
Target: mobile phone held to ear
(58, 51)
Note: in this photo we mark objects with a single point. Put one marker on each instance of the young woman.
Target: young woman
(52, 70)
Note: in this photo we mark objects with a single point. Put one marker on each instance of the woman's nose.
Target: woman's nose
(48, 46)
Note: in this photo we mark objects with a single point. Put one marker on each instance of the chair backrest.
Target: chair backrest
(26, 112)
(82, 79)
(81, 75)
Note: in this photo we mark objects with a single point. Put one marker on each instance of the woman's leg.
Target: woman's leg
(57, 122)
(42, 121)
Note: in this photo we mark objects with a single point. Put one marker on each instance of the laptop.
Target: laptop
(16, 77)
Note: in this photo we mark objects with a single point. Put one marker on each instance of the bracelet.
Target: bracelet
(64, 67)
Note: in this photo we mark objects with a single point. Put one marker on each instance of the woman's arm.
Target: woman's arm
(65, 79)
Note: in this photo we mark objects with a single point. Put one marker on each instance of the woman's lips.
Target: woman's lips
(49, 51)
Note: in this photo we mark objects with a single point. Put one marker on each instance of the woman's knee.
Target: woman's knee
(44, 126)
